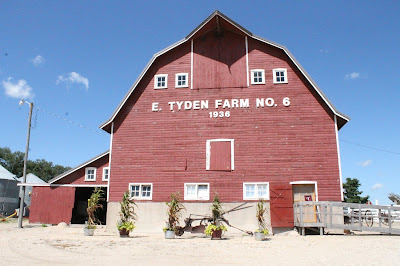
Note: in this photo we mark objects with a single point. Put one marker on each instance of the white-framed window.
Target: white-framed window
(280, 75)
(254, 191)
(90, 174)
(141, 191)
(220, 155)
(161, 81)
(106, 173)
(181, 80)
(257, 76)
(197, 191)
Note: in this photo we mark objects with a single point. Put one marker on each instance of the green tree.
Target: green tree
(352, 194)
(14, 162)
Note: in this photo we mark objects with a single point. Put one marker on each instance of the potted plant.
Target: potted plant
(127, 215)
(93, 205)
(173, 212)
(215, 228)
(262, 230)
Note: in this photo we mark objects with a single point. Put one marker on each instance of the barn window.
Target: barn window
(280, 75)
(197, 191)
(258, 76)
(161, 81)
(254, 191)
(90, 174)
(106, 173)
(220, 155)
(181, 80)
(141, 191)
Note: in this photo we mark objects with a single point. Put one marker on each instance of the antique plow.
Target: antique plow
(204, 220)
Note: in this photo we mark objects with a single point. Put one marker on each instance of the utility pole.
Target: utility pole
(23, 187)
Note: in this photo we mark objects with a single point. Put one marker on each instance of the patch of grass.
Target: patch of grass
(44, 225)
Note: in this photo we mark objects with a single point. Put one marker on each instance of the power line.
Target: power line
(369, 147)
(69, 121)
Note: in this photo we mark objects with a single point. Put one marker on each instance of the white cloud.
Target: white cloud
(377, 186)
(19, 89)
(365, 163)
(38, 60)
(353, 75)
(73, 77)
(323, 51)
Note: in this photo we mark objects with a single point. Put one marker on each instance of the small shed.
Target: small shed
(9, 192)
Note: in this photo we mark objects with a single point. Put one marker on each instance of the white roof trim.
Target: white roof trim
(70, 171)
(59, 185)
(248, 33)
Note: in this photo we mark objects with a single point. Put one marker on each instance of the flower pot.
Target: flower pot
(258, 236)
(216, 234)
(123, 232)
(169, 234)
(88, 231)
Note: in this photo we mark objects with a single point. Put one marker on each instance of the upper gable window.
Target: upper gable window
(161, 81)
(258, 76)
(181, 80)
(90, 174)
(106, 173)
(280, 75)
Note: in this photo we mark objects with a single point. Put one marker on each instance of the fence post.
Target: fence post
(390, 220)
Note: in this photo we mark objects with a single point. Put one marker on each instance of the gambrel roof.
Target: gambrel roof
(217, 15)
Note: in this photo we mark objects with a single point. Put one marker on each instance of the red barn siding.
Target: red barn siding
(51, 205)
(216, 66)
(78, 177)
(272, 144)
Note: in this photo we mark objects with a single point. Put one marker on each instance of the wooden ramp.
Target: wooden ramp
(346, 216)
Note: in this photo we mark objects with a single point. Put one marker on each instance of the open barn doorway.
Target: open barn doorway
(79, 213)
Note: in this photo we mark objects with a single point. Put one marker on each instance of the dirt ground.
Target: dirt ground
(54, 245)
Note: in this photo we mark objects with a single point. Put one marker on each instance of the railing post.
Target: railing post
(390, 220)
(301, 214)
(379, 218)
(330, 214)
(359, 216)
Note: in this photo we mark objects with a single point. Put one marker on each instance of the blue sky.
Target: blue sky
(77, 59)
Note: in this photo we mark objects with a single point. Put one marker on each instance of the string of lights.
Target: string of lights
(69, 121)
(369, 147)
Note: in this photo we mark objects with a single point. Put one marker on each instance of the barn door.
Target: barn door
(306, 192)
(281, 205)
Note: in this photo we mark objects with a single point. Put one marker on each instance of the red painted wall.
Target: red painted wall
(51, 205)
(272, 144)
(78, 177)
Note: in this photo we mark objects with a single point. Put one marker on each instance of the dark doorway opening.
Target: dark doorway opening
(79, 213)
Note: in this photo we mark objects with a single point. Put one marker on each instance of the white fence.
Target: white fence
(347, 216)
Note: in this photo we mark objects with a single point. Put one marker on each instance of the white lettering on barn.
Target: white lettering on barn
(218, 104)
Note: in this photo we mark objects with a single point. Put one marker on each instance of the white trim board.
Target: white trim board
(59, 185)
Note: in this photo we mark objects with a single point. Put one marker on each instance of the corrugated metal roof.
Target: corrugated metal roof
(32, 179)
(5, 174)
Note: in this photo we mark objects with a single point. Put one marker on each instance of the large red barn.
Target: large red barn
(221, 111)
